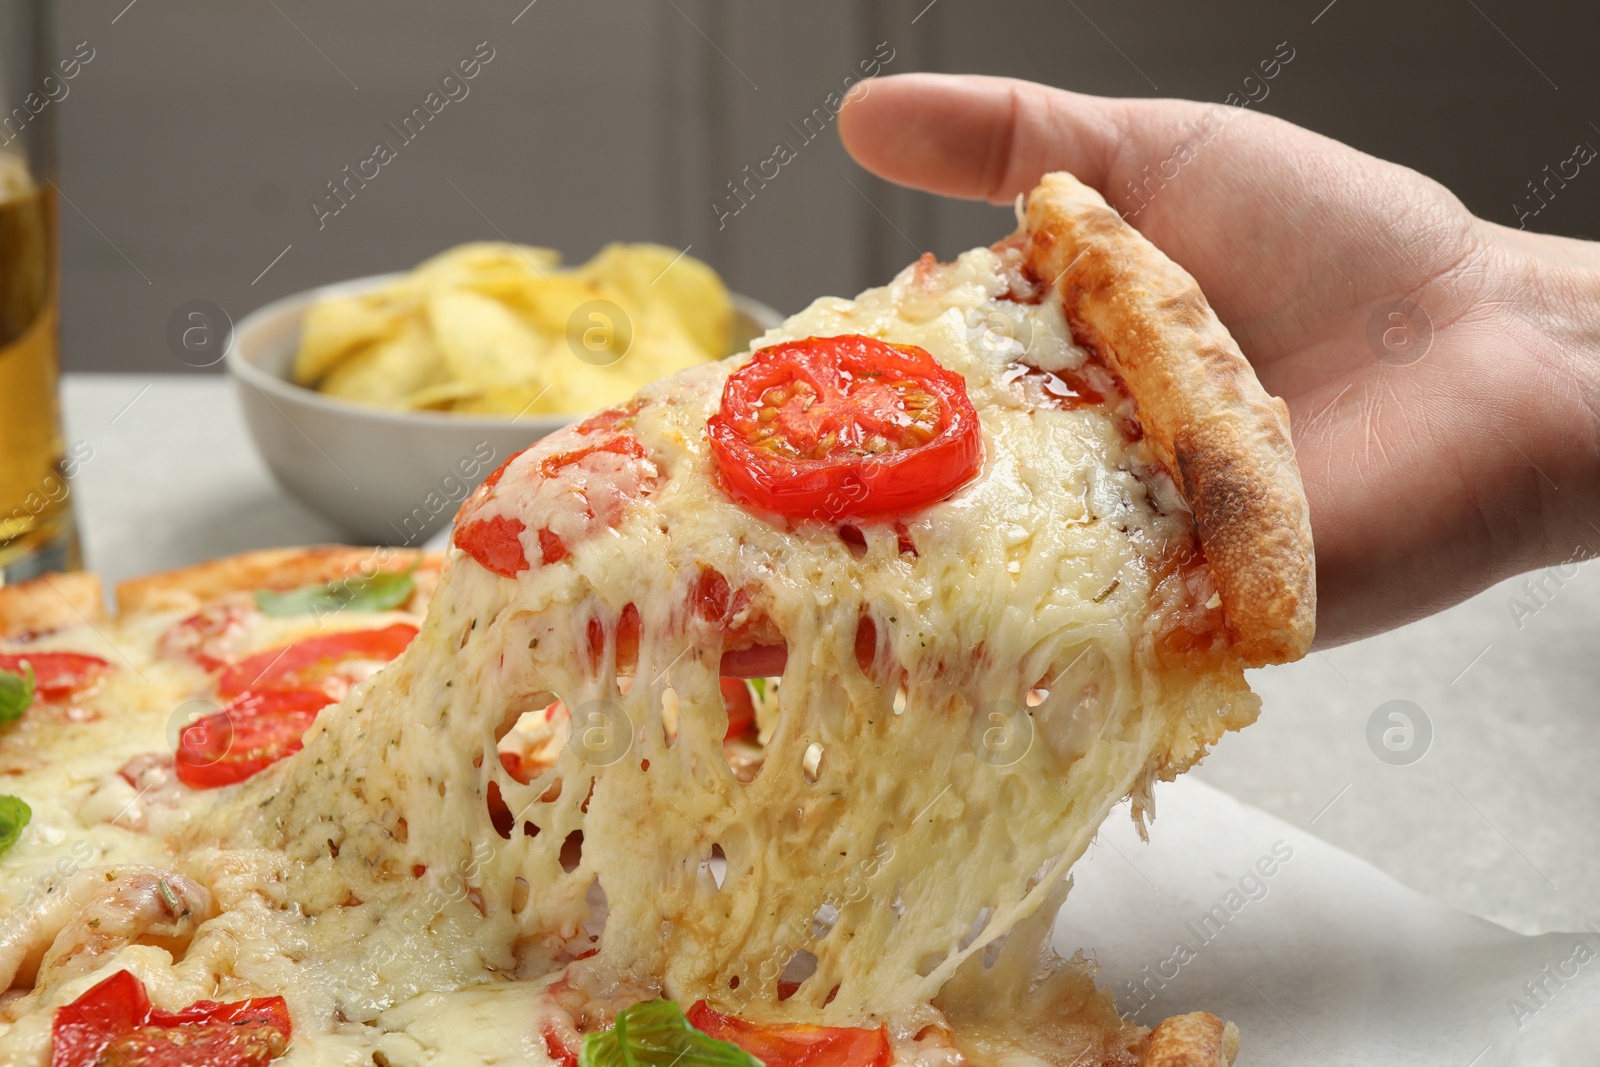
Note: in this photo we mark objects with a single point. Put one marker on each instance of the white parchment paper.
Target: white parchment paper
(1318, 957)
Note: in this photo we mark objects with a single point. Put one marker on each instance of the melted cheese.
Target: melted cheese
(902, 821)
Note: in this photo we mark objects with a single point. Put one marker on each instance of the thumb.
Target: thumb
(984, 138)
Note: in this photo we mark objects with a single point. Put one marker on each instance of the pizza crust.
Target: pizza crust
(1198, 1039)
(59, 600)
(1223, 437)
(189, 588)
(51, 602)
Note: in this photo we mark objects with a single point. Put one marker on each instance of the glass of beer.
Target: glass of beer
(37, 533)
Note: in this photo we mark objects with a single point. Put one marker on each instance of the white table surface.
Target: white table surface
(1498, 818)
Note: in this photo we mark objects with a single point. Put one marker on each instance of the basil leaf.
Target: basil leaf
(381, 592)
(654, 1033)
(16, 693)
(14, 815)
(759, 687)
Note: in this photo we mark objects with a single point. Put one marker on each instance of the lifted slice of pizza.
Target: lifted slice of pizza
(995, 544)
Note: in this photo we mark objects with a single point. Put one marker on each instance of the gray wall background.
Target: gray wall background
(195, 140)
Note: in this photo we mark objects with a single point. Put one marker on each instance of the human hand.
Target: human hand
(1433, 468)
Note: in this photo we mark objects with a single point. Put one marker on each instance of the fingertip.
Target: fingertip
(854, 99)
(858, 92)
(944, 133)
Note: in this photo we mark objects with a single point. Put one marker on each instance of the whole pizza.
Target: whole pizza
(757, 720)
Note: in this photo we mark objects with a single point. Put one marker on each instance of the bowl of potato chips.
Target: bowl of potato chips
(381, 402)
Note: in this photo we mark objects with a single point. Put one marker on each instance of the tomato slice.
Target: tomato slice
(558, 1050)
(248, 735)
(257, 1010)
(219, 1044)
(80, 1031)
(496, 543)
(114, 1023)
(56, 675)
(844, 427)
(757, 661)
(206, 636)
(741, 708)
(315, 663)
(615, 418)
(796, 1044)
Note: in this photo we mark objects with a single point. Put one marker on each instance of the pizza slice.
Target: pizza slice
(993, 545)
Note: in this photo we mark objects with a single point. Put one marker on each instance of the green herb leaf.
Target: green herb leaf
(381, 592)
(16, 693)
(654, 1033)
(759, 687)
(14, 815)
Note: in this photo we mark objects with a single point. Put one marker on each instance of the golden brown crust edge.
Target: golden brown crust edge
(1223, 437)
(50, 603)
(270, 568)
(1198, 1039)
(59, 600)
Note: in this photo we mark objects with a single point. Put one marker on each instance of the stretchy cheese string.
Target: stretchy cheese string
(891, 839)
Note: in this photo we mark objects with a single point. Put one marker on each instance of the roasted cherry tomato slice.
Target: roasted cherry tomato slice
(310, 663)
(80, 1031)
(248, 735)
(622, 444)
(844, 427)
(558, 1050)
(207, 636)
(741, 709)
(616, 418)
(56, 675)
(796, 1044)
(496, 543)
(757, 661)
(485, 487)
(200, 1045)
(114, 1023)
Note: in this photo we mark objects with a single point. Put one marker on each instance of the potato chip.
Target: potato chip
(660, 346)
(512, 400)
(550, 306)
(482, 259)
(647, 273)
(389, 372)
(663, 344)
(336, 328)
(494, 328)
(442, 397)
(483, 342)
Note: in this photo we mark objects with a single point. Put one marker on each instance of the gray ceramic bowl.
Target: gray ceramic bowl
(385, 477)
